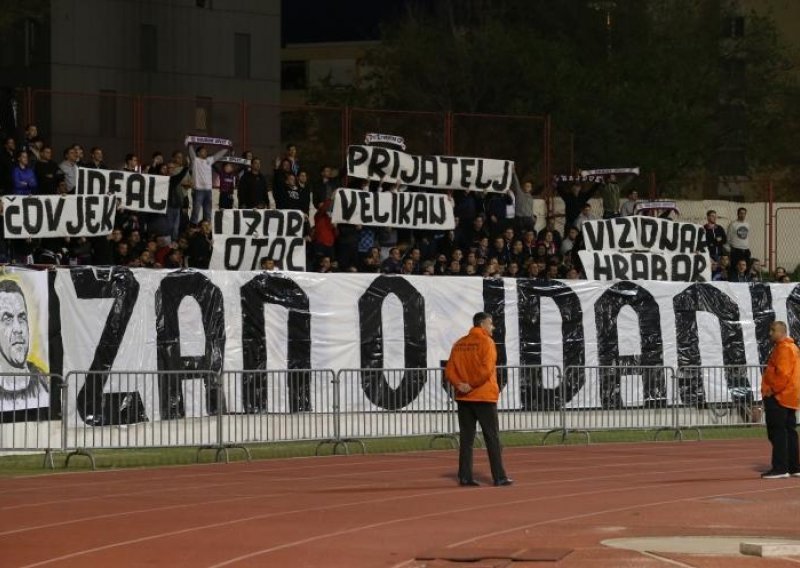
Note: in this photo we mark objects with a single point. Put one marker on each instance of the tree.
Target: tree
(639, 82)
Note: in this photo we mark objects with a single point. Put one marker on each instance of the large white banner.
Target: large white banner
(643, 233)
(49, 216)
(432, 172)
(667, 266)
(394, 209)
(143, 319)
(243, 237)
(137, 192)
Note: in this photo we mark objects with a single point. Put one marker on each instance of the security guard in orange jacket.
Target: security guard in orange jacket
(780, 390)
(472, 370)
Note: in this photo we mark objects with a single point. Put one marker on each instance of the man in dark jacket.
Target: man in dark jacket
(574, 199)
(715, 235)
(253, 187)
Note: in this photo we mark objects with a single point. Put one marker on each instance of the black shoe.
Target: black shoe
(503, 482)
(771, 474)
(468, 483)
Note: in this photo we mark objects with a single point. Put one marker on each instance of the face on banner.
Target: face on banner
(23, 344)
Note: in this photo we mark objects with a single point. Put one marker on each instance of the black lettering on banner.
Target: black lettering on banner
(171, 292)
(659, 267)
(380, 159)
(152, 202)
(294, 223)
(639, 266)
(625, 241)
(494, 303)
(535, 396)
(420, 209)
(115, 180)
(410, 177)
(234, 252)
(621, 267)
(466, 171)
(54, 217)
(135, 194)
(700, 264)
(288, 262)
(380, 217)
(670, 238)
(95, 181)
(594, 234)
(449, 162)
(703, 297)
(688, 237)
(503, 183)
(365, 201)
(374, 383)
(606, 310)
(94, 406)
(603, 269)
(406, 207)
(648, 232)
(479, 183)
(429, 171)
(681, 268)
(91, 212)
(280, 291)
(32, 215)
(348, 205)
(395, 164)
(356, 156)
(763, 316)
(55, 345)
(74, 229)
(10, 214)
(440, 216)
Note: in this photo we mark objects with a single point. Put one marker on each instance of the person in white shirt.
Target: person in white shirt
(203, 181)
(739, 237)
(586, 215)
(628, 207)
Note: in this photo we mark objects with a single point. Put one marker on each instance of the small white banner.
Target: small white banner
(137, 192)
(394, 209)
(673, 267)
(430, 172)
(52, 216)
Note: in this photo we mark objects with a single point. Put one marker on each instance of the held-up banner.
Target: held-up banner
(665, 266)
(430, 172)
(159, 320)
(137, 192)
(52, 216)
(394, 209)
(243, 237)
(643, 233)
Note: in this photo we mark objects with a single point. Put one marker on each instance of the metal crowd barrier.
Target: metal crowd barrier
(718, 396)
(280, 406)
(28, 421)
(141, 409)
(91, 411)
(621, 397)
(385, 403)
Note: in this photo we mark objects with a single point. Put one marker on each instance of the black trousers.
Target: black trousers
(739, 254)
(485, 413)
(782, 433)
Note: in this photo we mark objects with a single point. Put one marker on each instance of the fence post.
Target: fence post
(770, 228)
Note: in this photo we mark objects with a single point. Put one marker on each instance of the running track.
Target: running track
(385, 510)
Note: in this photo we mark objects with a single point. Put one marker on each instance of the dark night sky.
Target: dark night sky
(312, 21)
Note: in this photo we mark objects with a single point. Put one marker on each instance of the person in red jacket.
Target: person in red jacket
(472, 370)
(780, 390)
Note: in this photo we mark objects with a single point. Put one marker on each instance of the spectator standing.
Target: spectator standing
(23, 176)
(739, 237)
(575, 198)
(226, 181)
(628, 207)
(253, 187)
(780, 390)
(203, 181)
(7, 163)
(200, 246)
(610, 193)
(69, 168)
(586, 215)
(524, 218)
(715, 236)
(96, 159)
(47, 172)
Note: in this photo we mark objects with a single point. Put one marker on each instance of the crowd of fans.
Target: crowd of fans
(495, 236)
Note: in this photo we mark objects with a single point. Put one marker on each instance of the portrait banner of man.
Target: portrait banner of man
(24, 384)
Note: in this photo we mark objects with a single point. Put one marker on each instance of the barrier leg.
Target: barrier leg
(48, 459)
(81, 452)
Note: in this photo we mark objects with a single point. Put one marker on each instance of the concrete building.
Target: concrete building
(138, 75)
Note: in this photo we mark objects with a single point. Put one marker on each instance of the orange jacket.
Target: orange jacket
(782, 377)
(473, 360)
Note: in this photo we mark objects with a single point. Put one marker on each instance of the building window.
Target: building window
(202, 114)
(241, 54)
(108, 112)
(148, 47)
(294, 75)
(733, 27)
